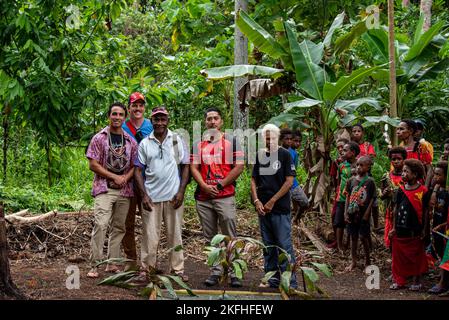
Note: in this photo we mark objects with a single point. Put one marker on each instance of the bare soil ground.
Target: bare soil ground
(40, 255)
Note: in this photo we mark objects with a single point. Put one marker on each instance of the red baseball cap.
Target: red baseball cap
(136, 96)
(159, 110)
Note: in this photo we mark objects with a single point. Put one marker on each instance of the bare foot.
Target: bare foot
(93, 273)
(351, 267)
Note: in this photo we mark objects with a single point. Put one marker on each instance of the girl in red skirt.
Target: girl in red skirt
(410, 218)
(390, 184)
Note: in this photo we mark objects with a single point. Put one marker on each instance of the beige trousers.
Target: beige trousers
(151, 234)
(110, 209)
(218, 212)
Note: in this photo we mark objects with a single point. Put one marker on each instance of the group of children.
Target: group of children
(415, 199)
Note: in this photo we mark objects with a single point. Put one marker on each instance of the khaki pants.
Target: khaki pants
(217, 212)
(109, 209)
(151, 234)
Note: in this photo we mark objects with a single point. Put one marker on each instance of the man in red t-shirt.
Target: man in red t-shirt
(216, 163)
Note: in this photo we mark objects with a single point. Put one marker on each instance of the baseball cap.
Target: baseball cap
(136, 96)
(159, 110)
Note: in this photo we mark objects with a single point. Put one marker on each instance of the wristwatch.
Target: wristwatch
(220, 186)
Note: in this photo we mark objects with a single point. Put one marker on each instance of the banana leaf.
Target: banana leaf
(309, 75)
(423, 41)
(338, 22)
(333, 91)
(240, 70)
(259, 36)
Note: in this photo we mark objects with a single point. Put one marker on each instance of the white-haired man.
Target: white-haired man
(271, 181)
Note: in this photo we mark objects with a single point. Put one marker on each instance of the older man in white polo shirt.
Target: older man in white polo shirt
(165, 158)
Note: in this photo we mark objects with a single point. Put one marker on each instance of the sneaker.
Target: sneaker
(235, 282)
(213, 280)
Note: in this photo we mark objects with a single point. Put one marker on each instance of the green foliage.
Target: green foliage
(154, 281)
(229, 253)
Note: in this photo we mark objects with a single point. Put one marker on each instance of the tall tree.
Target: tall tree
(240, 57)
(392, 56)
(8, 289)
(426, 10)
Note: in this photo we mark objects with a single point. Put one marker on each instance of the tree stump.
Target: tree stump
(8, 289)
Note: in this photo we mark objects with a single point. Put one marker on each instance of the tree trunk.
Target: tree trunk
(8, 289)
(5, 142)
(405, 3)
(426, 10)
(392, 55)
(240, 57)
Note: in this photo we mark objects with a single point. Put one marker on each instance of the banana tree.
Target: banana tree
(419, 58)
(318, 100)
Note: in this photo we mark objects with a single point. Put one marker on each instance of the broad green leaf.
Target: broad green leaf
(377, 40)
(344, 42)
(242, 264)
(419, 28)
(434, 109)
(338, 21)
(313, 52)
(333, 91)
(167, 284)
(432, 72)
(350, 117)
(412, 67)
(268, 276)
(259, 36)
(423, 41)
(217, 239)
(352, 105)
(305, 103)
(118, 277)
(237, 270)
(324, 268)
(309, 75)
(235, 71)
(182, 284)
(373, 120)
(310, 273)
(213, 258)
(285, 281)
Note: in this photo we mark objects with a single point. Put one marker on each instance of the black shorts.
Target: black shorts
(361, 228)
(339, 216)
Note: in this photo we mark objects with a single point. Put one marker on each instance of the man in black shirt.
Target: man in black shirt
(271, 181)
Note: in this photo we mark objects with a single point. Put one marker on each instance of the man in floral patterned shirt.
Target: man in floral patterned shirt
(111, 155)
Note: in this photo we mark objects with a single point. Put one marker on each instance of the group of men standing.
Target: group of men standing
(141, 163)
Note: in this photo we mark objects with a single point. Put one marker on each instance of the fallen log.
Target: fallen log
(34, 219)
(20, 213)
(315, 240)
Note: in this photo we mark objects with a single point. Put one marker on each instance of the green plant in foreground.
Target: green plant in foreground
(229, 253)
(153, 280)
(309, 275)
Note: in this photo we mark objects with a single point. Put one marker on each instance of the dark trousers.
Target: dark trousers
(276, 230)
(129, 240)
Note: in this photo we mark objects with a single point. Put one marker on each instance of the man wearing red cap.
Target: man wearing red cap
(164, 157)
(137, 127)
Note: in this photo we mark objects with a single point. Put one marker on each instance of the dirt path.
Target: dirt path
(46, 279)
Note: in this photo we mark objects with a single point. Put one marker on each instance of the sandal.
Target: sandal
(416, 287)
(93, 273)
(436, 289)
(396, 286)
